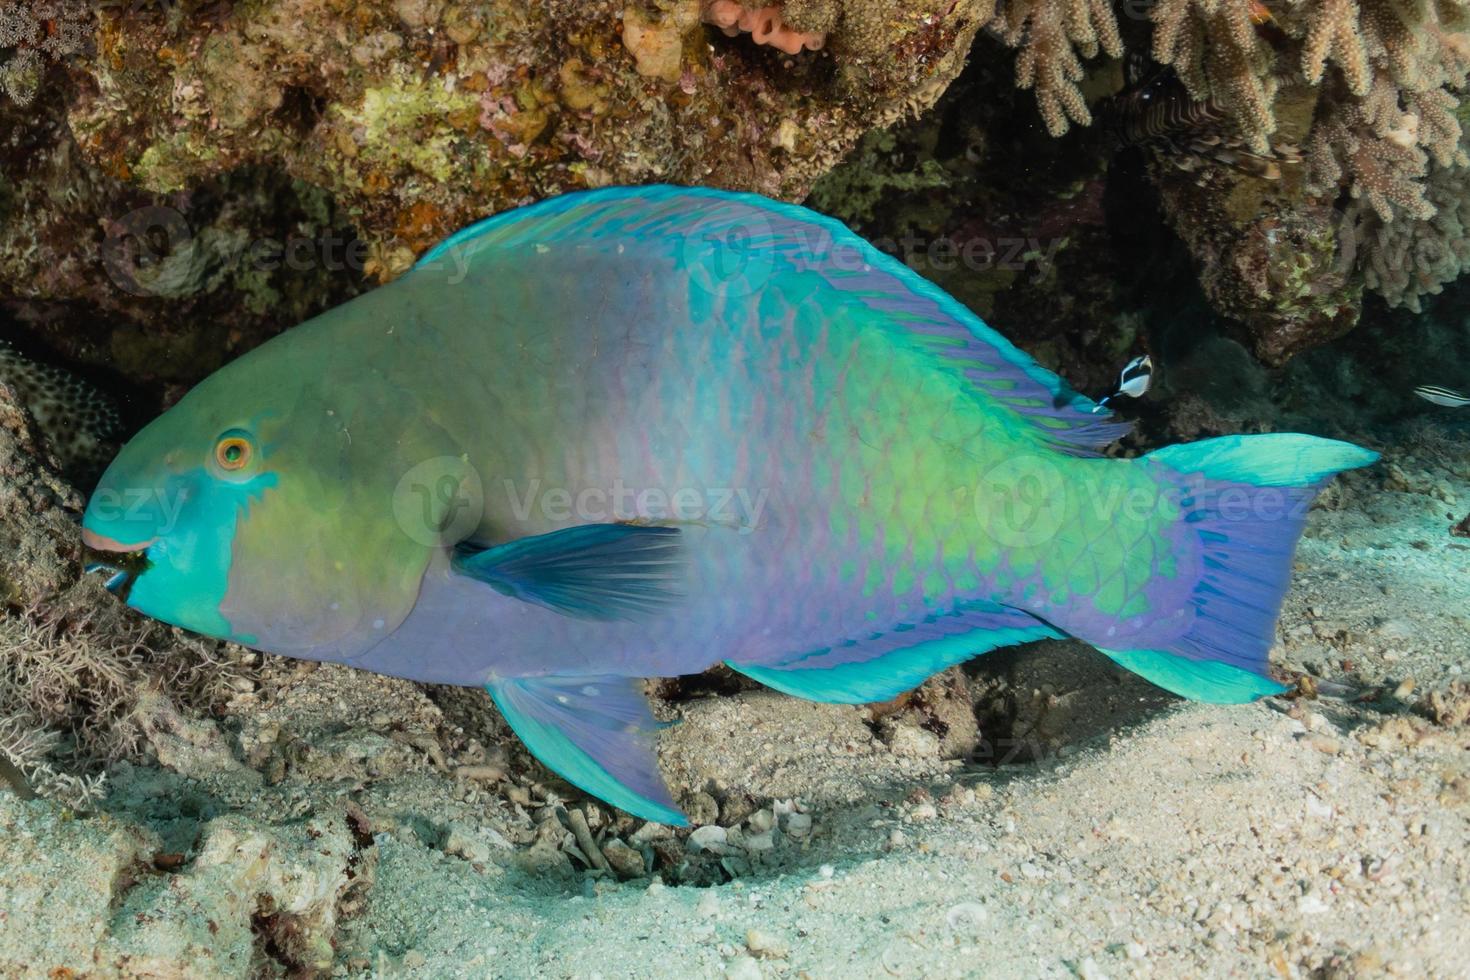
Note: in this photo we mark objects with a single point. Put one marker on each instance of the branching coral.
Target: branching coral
(36, 32)
(1219, 55)
(1054, 35)
(1386, 79)
(1403, 79)
(1371, 146)
(25, 751)
(1403, 260)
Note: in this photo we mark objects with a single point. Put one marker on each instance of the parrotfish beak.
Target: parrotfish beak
(119, 562)
(161, 533)
(101, 542)
(127, 515)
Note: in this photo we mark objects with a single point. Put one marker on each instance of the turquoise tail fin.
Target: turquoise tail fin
(1244, 501)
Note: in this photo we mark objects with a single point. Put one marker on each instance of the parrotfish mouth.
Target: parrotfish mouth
(101, 542)
(121, 563)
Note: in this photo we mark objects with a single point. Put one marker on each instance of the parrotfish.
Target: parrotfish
(637, 432)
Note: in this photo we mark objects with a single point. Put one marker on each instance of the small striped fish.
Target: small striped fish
(1447, 397)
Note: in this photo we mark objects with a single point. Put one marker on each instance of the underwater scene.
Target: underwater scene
(724, 488)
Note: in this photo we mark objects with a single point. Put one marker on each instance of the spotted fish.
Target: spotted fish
(79, 423)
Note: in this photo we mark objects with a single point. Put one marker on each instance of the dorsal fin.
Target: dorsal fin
(724, 239)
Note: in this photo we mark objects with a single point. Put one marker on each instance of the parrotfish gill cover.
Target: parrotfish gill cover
(636, 432)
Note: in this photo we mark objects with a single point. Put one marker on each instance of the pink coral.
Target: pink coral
(763, 24)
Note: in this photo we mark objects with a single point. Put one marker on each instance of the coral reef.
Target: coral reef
(38, 32)
(1369, 89)
(1054, 35)
(763, 24)
(421, 117)
(155, 289)
(201, 176)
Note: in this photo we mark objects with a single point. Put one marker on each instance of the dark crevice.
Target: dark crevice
(300, 109)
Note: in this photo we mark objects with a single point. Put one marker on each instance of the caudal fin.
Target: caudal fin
(1245, 499)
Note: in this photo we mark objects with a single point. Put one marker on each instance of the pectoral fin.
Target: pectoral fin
(597, 571)
(594, 731)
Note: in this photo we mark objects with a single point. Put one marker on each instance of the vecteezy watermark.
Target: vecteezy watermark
(441, 500)
(1007, 253)
(1026, 501)
(143, 247)
(736, 507)
(444, 499)
(1031, 500)
(154, 512)
(153, 251)
(733, 250)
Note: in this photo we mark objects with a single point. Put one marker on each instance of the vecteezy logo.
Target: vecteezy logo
(1022, 502)
(143, 246)
(729, 252)
(441, 500)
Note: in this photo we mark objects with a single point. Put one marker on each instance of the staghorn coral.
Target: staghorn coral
(1370, 146)
(1405, 260)
(1218, 53)
(1401, 84)
(1053, 37)
(1239, 53)
(1403, 161)
(1371, 90)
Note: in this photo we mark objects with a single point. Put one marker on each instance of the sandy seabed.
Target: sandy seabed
(1037, 813)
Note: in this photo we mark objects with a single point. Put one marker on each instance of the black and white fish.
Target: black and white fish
(1133, 381)
(79, 423)
(1447, 397)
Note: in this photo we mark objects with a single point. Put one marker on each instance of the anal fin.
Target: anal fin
(596, 732)
(884, 665)
(1211, 681)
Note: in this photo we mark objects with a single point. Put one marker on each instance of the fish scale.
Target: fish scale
(468, 477)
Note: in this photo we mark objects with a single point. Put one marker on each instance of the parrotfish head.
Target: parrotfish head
(240, 504)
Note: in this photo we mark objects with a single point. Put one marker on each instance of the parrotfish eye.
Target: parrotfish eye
(233, 451)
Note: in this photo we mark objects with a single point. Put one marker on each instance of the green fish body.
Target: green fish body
(638, 432)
